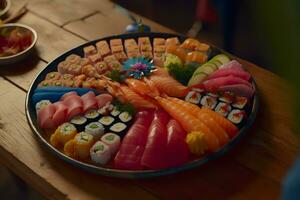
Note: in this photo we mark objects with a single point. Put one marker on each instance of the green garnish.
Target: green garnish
(94, 126)
(99, 148)
(110, 137)
(116, 75)
(84, 137)
(126, 107)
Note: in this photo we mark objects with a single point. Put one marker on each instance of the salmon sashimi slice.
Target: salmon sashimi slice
(168, 85)
(135, 99)
(205, 118)
(189, 122)
(138, 86)
(229, 127)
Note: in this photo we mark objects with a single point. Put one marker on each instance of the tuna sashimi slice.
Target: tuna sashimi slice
(133, 144)
(129, 157)
(213, 84)
(88, 95)
(177, 149)
(60, 115)
(89, 101)
(74, 104)
(227, 71)
(155, 153)
(45, 117)
(103, 99)
(68, 94)
(238, 89)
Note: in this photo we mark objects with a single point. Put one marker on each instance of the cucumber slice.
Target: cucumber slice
(222, 58)
(216, 63)
(208, 69)
(197, 79)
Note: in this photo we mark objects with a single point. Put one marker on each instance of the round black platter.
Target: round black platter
(52, 66)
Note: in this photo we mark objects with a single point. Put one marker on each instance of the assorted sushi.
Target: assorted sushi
(126, 101)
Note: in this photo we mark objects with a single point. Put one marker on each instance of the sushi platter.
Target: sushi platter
(141, 104)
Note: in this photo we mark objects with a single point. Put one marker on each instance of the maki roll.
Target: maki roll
(89, 50)
(92, 115)
(41, 104)
(100, 153)
(79, 122)
(125, 117)
(240, 102)
(113, 141)
(237, 117)
(95, 129)
(227, 97)
(223, 108)
(119, 128)
(73, 58)
(209, 102)
(106, 121)
(63, 134)
(82, 144)
(115, 112)
(193, 97)
(53, 76)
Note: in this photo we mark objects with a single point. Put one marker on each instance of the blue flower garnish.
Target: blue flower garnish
(138, 67)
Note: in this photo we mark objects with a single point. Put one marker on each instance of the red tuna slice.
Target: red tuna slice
(60, 115)
(227, 71)
(103, 99)
(129, 157)
(89, 101)
(133, 144)
(68, 94)
(238, 89)
(213, 84)
(177, 149)
(74, 104)
(155, 153)
(144, 117)
(232, 65)
(88, 95)
(45, 117)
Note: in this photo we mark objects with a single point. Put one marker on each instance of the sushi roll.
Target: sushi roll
(130, 42)
(115, 112)
(144, 41)
(212, 94)
(227, 97)
(115, 65)
(73, 58)
(223, 108)
(133, 54)
(101, 67)
(79, 122)
(237, 117)
(146, 47)
(84, 62)
(240, 102)
(121, 56)
(89, 50)
(82, 144)
(119, 128)
(115, 42)
(100, 153)
(117, 49)
(109, 58)
(63, 134)
(209, 102)
(92, 115)
(159, 41)
(172, 41)
(193, 97)
(95, 58)
(53, 76)
(63, 67)
(113, 141)
(95, 129)
(125, 117)
(58, 83)
(103, 48)
(106, 121)
(41, 104)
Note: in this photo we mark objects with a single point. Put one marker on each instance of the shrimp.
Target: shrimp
(204, 117)
(138, 86)
(153, 88)
(189, 122)
(229, 127)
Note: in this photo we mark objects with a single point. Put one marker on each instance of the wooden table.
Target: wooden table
(252, 170)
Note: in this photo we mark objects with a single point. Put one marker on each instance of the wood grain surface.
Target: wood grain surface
(253, 169)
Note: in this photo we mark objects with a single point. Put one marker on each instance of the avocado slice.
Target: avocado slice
(221, 58)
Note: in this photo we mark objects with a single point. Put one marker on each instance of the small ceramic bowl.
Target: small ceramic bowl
(20, 55)
(4, 7)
